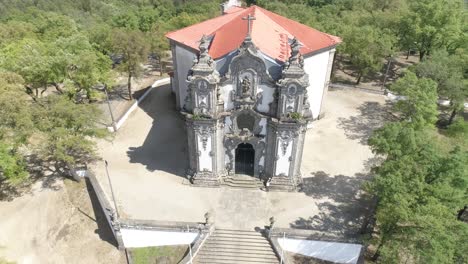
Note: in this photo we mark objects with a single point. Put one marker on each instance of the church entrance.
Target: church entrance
(245, 157)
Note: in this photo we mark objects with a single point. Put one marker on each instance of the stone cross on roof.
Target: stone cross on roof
(249, 19)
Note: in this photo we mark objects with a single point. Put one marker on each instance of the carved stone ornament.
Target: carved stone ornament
(204, 65)
(246, 86)
(204, 133)
(286, 137)
(294, 67)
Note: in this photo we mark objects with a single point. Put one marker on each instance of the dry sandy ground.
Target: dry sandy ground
(55, 224)
(147, 161)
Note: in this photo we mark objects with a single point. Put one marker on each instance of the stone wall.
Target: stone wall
(108, 210)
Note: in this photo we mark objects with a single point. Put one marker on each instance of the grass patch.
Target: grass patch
(448, 140)
(161, 255)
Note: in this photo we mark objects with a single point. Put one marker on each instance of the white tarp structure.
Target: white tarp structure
(329, 251)
(134, 238)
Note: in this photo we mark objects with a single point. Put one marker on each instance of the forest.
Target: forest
(57, 57)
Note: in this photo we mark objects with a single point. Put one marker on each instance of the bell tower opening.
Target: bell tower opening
(245, 157)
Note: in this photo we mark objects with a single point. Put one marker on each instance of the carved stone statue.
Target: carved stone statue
(246, 87)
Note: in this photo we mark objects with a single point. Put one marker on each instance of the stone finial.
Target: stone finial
(204, 57)
(204, 65)
(272, 222)
(208, 218)
(294, 67)
(296, 57)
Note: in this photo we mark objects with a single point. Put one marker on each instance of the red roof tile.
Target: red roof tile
(270, 33)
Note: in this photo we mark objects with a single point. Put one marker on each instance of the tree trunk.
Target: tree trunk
(160, 66)
(452, 116)
(57, 87)
(377, 252)
(359, 78)
(422, 53)
(408, 53)
(129, 86)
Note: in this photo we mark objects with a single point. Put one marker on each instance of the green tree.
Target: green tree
(12, 165)
(133, 47)
(430, 24)
(30, 59)
(15, 118)
(367, 47)
(419, 106)
(67, 131)
(450, 73)
(419, 192)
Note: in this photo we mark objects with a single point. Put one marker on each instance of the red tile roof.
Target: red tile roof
(270, 33)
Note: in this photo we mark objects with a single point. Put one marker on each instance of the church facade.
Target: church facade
(247, 107)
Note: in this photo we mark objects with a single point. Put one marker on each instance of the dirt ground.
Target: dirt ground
(345, 73)
(56, 223)
(118, 95)
(147, 163)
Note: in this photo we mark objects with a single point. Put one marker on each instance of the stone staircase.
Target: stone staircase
(280, 183)
(243, 182)
(226, 246)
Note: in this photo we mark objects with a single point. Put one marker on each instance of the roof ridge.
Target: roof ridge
(232, 15)
(231, 21)
(331, 37)
(271, 33)
(286, 48)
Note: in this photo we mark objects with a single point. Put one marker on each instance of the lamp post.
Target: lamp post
(390, 60)
(110, 109)
(112, 190)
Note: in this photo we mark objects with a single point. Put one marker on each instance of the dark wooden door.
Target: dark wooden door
(245, 157)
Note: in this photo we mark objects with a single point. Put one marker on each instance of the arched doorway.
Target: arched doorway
(245, 157)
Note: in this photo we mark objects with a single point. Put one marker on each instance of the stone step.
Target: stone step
(234, 237)
(245, 179)
(235, 244)
(238, 241)
(228, 262)
(235, 259)
(235, 231)
(239, 186)
(246, 249)
(242, 186)
(228, 246)
(251, 254)
(250, 234)
(241, 182)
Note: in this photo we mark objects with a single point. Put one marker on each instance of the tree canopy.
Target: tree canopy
(54, 53)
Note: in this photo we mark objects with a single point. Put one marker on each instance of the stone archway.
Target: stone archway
(245, 159)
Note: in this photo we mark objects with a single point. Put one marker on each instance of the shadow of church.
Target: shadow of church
(371, 116)
(165, 146)
(345, 210)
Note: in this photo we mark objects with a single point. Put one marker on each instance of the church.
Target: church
(249, 84)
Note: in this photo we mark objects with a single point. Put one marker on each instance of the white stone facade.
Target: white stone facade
(243, 119)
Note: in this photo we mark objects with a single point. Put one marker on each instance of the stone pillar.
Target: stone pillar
(285, 142)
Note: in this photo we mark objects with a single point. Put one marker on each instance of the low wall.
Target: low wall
(108, 210)
(151, 233)
(134, 238)
(329, 246)
(330, 251)
(132, 233)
